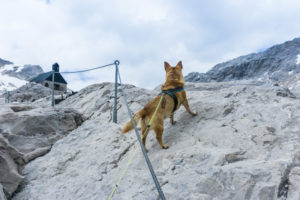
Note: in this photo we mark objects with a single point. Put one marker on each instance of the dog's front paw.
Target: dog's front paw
(173, 122)
(165, 146)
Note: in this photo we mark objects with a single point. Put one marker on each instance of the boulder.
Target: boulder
(11, 164)
(30, 93)
(33, 130)
(28, 132)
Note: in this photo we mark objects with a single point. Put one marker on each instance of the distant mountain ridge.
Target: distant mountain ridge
(14, 76)
(4, 62)
(276, 63)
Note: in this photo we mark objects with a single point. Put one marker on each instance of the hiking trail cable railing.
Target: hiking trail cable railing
(116, 63)
(158, 187)
(117, 75)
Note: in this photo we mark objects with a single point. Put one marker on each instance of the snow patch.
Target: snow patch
(10, 83)
(10, 67)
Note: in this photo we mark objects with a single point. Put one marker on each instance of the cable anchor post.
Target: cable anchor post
(115, 112)
(52, 94)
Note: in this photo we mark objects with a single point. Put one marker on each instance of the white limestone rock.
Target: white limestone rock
(11, 164)
(243, 144)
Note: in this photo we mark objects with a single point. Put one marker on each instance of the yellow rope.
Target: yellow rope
(123, 173)
(135, 150)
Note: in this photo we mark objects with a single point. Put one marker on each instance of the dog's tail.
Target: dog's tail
(129, 126)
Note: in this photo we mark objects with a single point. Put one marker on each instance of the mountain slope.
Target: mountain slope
(277, 63)
(243, 144)
(13, 76)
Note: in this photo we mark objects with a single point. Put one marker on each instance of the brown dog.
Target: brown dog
(174, 84)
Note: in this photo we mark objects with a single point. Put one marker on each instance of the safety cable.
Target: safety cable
(86, 70)
(160, 192)
(158, 187)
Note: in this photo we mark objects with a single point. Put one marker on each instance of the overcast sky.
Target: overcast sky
(81, 34)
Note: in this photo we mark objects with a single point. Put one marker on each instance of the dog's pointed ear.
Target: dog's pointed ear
(167, 66)
(180, 64)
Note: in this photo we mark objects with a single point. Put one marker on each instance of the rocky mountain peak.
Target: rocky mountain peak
(277, 63)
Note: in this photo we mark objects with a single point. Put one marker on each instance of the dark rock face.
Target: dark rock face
(276, 63)
(29, 71)
(4, 62)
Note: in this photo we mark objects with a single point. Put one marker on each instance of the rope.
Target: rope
(160, 192)
(80, 71)
(123, 173)
(153, 116)
(135, 150)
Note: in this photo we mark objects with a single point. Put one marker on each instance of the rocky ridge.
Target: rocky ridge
(4, 62)
(14, 76)
(277, 63)
(243, 144)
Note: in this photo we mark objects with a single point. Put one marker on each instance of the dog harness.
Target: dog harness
(172, 92)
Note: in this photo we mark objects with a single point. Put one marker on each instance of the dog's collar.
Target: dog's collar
(172, 92)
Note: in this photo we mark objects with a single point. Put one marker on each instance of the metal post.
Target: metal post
(53, 101)
(8, 96)
(5, 96)
(116, 92)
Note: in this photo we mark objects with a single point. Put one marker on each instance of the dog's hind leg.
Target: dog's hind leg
(172, 119)
(159, 129)
(186, 104)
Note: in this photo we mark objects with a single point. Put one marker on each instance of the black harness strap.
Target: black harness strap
(172, 92)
